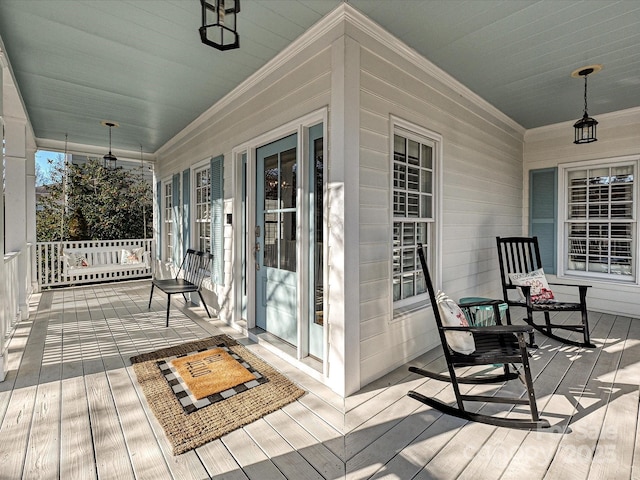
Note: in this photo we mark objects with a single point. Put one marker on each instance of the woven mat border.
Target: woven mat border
(188, 431)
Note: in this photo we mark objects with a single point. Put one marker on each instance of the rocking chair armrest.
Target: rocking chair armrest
(570, 285)
(481, 303)
(497, 329)
(582, 290)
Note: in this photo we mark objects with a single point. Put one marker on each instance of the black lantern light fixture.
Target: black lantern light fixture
(585, 128)
(218, 28)
(109, 159)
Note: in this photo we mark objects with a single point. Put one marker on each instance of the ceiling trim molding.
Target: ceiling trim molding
(383, 36)
(613, 117)
(84, 149)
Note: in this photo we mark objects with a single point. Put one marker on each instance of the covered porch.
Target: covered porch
(71, 407)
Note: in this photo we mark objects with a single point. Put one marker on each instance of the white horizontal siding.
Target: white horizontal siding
(300, 87)
(482, 198)
(549, 146)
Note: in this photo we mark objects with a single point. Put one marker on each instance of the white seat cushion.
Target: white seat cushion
(453, 316)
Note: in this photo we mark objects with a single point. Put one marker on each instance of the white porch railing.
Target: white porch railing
(52, 273)
(10, 304)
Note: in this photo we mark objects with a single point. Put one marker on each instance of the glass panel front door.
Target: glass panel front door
(275, 237)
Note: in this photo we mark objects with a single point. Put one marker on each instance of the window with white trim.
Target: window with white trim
(600, 220)
(413, 211)
(167, 189)
(202, 191)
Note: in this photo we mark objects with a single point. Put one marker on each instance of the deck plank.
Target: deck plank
(410, 460)
(76, 447)
(317, 427)
(284, 456)
(219, 463)
(381, 450)
(43, 450)
(613, 456)
(389, 411)
(254, 462)
(15, 430)
(112, 458)
(315, 453)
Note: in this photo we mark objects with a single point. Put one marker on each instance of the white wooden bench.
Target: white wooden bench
(104, 262)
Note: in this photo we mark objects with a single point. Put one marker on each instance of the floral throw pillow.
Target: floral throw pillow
(453, 316)
(537, 281)
(131, 256)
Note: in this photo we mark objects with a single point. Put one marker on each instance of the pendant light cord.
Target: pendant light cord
(585, 95)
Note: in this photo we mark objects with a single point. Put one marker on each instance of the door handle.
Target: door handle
(256, 249)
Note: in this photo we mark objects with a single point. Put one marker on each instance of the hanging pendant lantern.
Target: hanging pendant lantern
(218, 28)
(585, 128)
(109, 159)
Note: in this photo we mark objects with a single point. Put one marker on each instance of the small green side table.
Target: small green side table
(482, 316)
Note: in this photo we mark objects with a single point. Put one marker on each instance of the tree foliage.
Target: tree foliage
(89, 202)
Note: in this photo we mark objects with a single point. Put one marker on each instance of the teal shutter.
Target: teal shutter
(175, 207)
(159, 223)
(217, 224)
(543, 211)
(186, 233)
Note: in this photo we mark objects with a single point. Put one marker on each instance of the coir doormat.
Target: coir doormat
(202, 390)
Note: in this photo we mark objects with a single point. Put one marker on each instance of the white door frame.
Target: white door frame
(299, 126)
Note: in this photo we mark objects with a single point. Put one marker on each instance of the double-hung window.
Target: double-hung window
(167, 189)
(413, 211)
(600, 220)
(203, 209)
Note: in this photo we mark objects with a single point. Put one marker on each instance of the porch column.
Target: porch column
(343, 203)
(3, 294)
(16, 202)
(32, 272)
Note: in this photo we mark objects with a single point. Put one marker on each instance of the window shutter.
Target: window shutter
(175, 206)
(543, 211)
(217, 224)
(186, 234)
(159, 220)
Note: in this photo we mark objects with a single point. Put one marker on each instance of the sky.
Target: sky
(41, 160)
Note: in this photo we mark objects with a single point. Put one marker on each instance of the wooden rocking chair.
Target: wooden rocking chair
(195, 267)
(499, 344)
(521, 255)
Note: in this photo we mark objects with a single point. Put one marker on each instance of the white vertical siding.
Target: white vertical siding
(618, 136)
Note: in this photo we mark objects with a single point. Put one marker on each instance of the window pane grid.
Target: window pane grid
(413, 213)
(408, 279)
(168, 221)
(600, 223)
(203, 209)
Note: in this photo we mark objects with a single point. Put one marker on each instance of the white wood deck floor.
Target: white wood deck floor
(70, 408)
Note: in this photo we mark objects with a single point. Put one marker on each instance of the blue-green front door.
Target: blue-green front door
(275, 235)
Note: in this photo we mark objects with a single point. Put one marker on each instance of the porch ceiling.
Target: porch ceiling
(141, 63)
